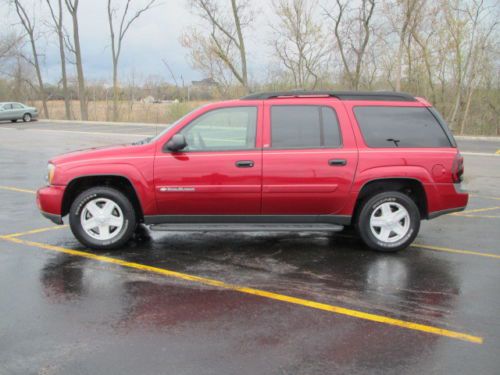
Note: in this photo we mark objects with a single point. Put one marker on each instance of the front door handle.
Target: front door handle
(245, 163)
(337, 162)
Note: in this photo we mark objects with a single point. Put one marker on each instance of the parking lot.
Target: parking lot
(242, 303)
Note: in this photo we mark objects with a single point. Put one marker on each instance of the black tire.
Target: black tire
(372, 204)
(15, 120)
(120, 238)
(27, 117)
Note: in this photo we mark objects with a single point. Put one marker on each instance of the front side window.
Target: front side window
(304, 126)
(16, 106)
(400, 127)
(222, 129)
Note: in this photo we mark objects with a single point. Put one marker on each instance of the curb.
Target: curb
(477, 138)
(100, 123)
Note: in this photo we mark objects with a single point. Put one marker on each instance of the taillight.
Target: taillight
(457, 170)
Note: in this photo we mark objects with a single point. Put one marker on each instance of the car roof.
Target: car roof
(341, 95)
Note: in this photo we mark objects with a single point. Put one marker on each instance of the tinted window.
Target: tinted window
(222, 129)
(400, 127)
(304, 127)
(445, 127)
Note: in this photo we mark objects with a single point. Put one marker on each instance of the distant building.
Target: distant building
(206, 82)
(148, 99)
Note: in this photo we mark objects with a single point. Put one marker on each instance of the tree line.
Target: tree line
(444, 50)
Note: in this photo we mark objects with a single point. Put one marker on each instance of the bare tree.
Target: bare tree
(406, 19)
(423, 32)
(299, 44)
(72, 6)
(57, 18)
(8, 45)
(125, 21)
(29, 25)
(352, 35)
(476, 56)
(225, 46)
(466, 28)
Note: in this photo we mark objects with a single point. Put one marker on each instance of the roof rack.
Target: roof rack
(341, 95)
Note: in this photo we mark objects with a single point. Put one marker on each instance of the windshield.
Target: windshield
(167, 128)
(159, 135)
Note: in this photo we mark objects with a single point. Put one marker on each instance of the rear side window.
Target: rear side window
(400, 127)
(304, 126)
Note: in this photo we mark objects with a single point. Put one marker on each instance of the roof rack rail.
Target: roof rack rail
(341, 95)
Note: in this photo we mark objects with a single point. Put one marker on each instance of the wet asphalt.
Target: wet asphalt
(66, 314)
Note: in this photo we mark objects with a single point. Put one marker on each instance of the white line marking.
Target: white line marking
(478, 154)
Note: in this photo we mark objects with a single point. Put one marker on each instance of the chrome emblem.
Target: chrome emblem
(176, 189)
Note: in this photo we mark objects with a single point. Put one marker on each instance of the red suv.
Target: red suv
(283, 161)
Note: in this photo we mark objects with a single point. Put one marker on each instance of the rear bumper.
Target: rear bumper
(451, 198)
(49, 201)
(433, 215)
(56, 219)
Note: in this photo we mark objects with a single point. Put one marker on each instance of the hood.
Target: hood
(114, 151)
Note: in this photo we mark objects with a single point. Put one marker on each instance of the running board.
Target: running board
(247, 227)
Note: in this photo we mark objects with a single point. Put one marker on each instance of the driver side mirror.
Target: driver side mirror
(176, 143)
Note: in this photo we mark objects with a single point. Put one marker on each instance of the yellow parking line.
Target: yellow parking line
(476, 210)
(456, 251)
(258, 292)
(485, 197)
(11, 188)
(34, 231)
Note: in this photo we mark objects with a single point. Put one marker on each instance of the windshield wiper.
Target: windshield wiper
(143, 141)
(396, 141)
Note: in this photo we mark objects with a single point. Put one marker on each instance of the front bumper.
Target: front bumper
(49, 201)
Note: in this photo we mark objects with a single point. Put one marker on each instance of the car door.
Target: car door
(17, 111)
(220, 170)
(309, 157)
(7, 112)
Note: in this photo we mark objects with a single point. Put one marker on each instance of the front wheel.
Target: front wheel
(27, 117)
(102, 218)
(388, 221)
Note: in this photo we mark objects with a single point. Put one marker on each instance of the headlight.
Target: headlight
(50, 175)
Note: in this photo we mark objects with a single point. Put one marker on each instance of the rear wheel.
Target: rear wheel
(388, 221)
(102, 218)
(26, 117)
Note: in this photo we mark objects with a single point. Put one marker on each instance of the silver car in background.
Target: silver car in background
(16, 111)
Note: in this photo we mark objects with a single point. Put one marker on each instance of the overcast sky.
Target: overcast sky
(152, 37)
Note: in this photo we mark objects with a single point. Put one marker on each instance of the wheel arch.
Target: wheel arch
(412, 187)
(119, 182)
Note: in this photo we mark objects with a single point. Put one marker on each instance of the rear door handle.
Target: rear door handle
(337, 162)
(245, 163)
